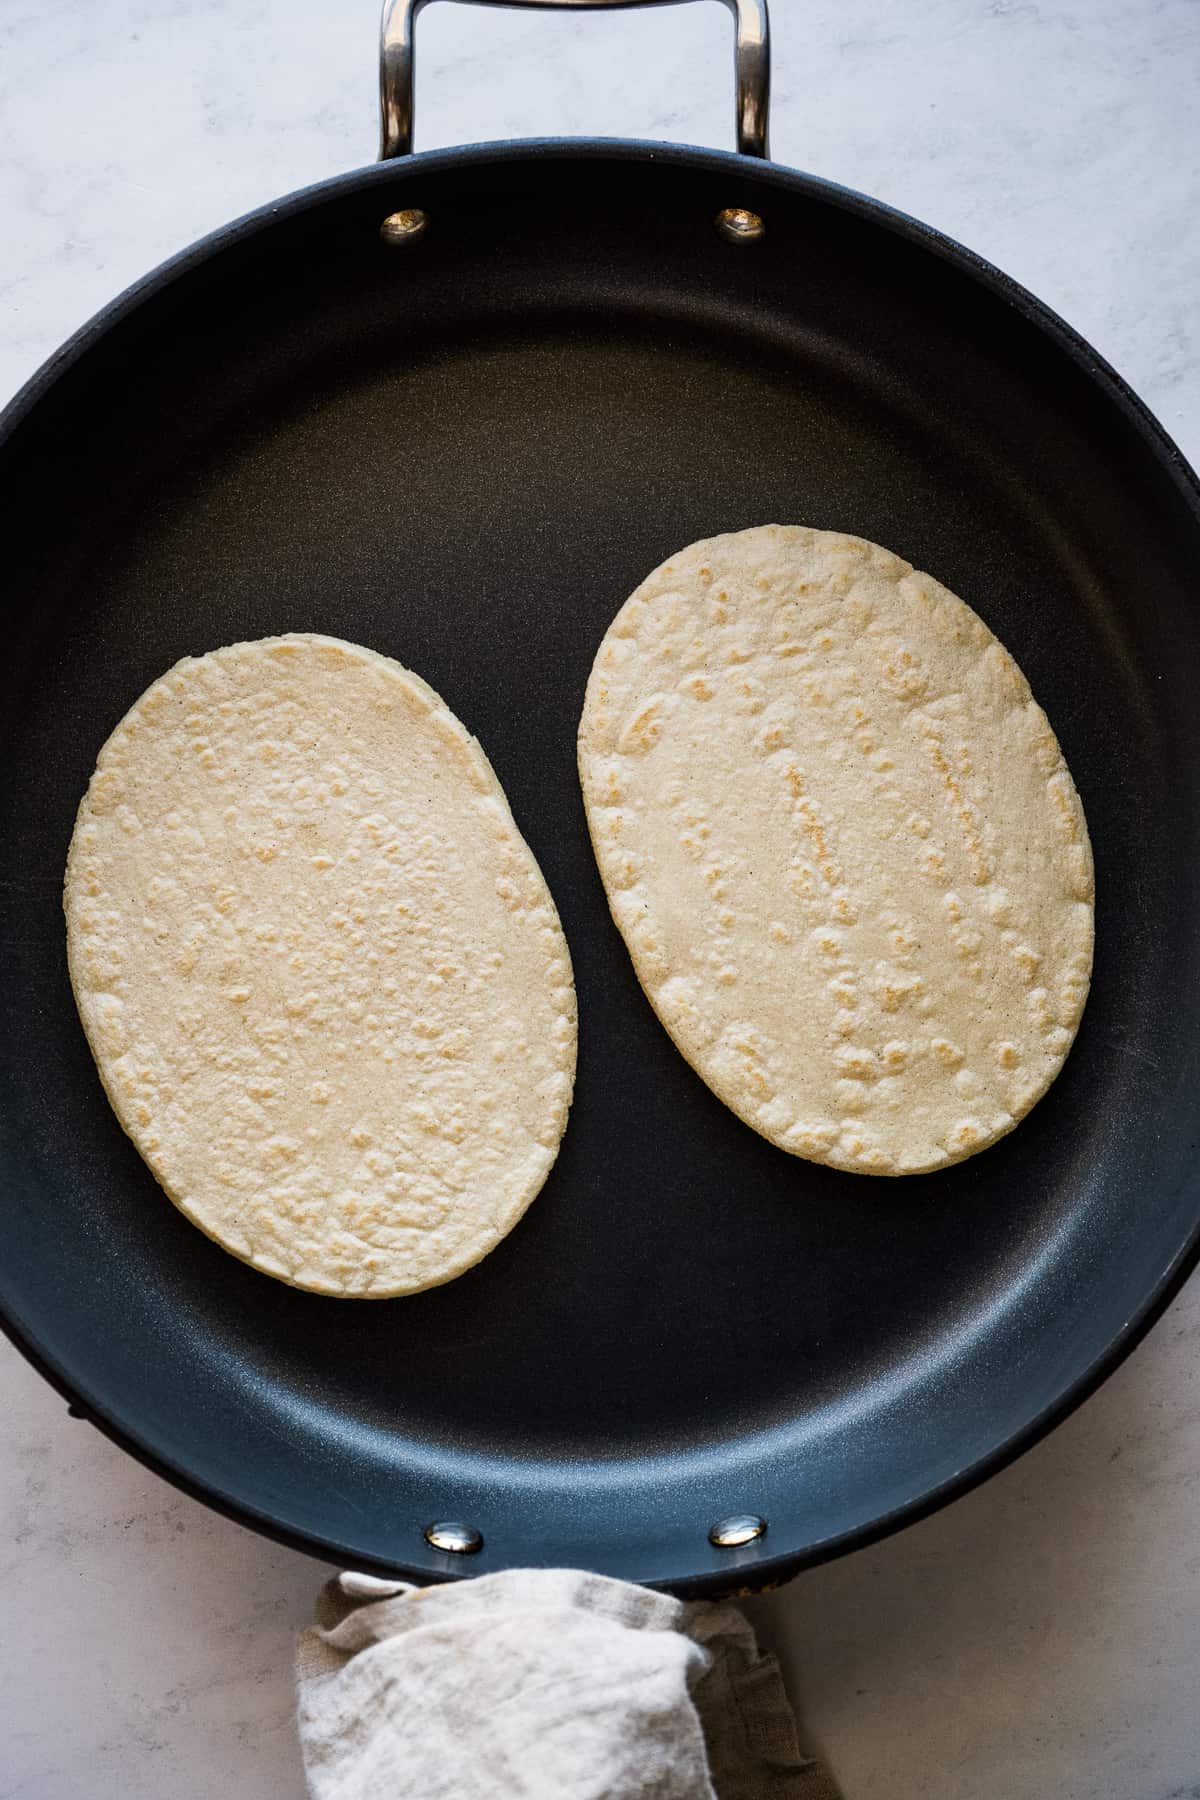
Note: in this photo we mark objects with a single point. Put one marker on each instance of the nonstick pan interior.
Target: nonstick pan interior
(465, 453)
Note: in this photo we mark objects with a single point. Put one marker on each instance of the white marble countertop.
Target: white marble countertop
(1042, 1636)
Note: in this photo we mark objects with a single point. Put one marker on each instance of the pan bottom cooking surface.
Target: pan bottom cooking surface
(465, 453)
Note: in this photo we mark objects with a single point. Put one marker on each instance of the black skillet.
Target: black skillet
(464, 445)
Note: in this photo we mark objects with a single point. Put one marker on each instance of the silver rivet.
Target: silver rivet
(404, 227)
(732, 1533)
(448, 1534)
(740, 225)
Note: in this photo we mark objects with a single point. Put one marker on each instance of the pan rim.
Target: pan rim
(503, 151)
(770, 1570)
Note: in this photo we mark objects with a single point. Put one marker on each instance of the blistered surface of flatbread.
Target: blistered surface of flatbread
(840, 841)
(319, 969)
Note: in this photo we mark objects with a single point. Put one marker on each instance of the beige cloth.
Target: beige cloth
(541, 1684)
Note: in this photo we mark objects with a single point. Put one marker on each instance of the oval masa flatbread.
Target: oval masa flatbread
(322, 977)
(840, 841)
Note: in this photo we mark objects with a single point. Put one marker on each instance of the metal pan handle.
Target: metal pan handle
(752, 66)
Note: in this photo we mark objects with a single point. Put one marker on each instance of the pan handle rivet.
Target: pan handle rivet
(404, 227)
(448, 1534)
(739, 225)
(741, 1528)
